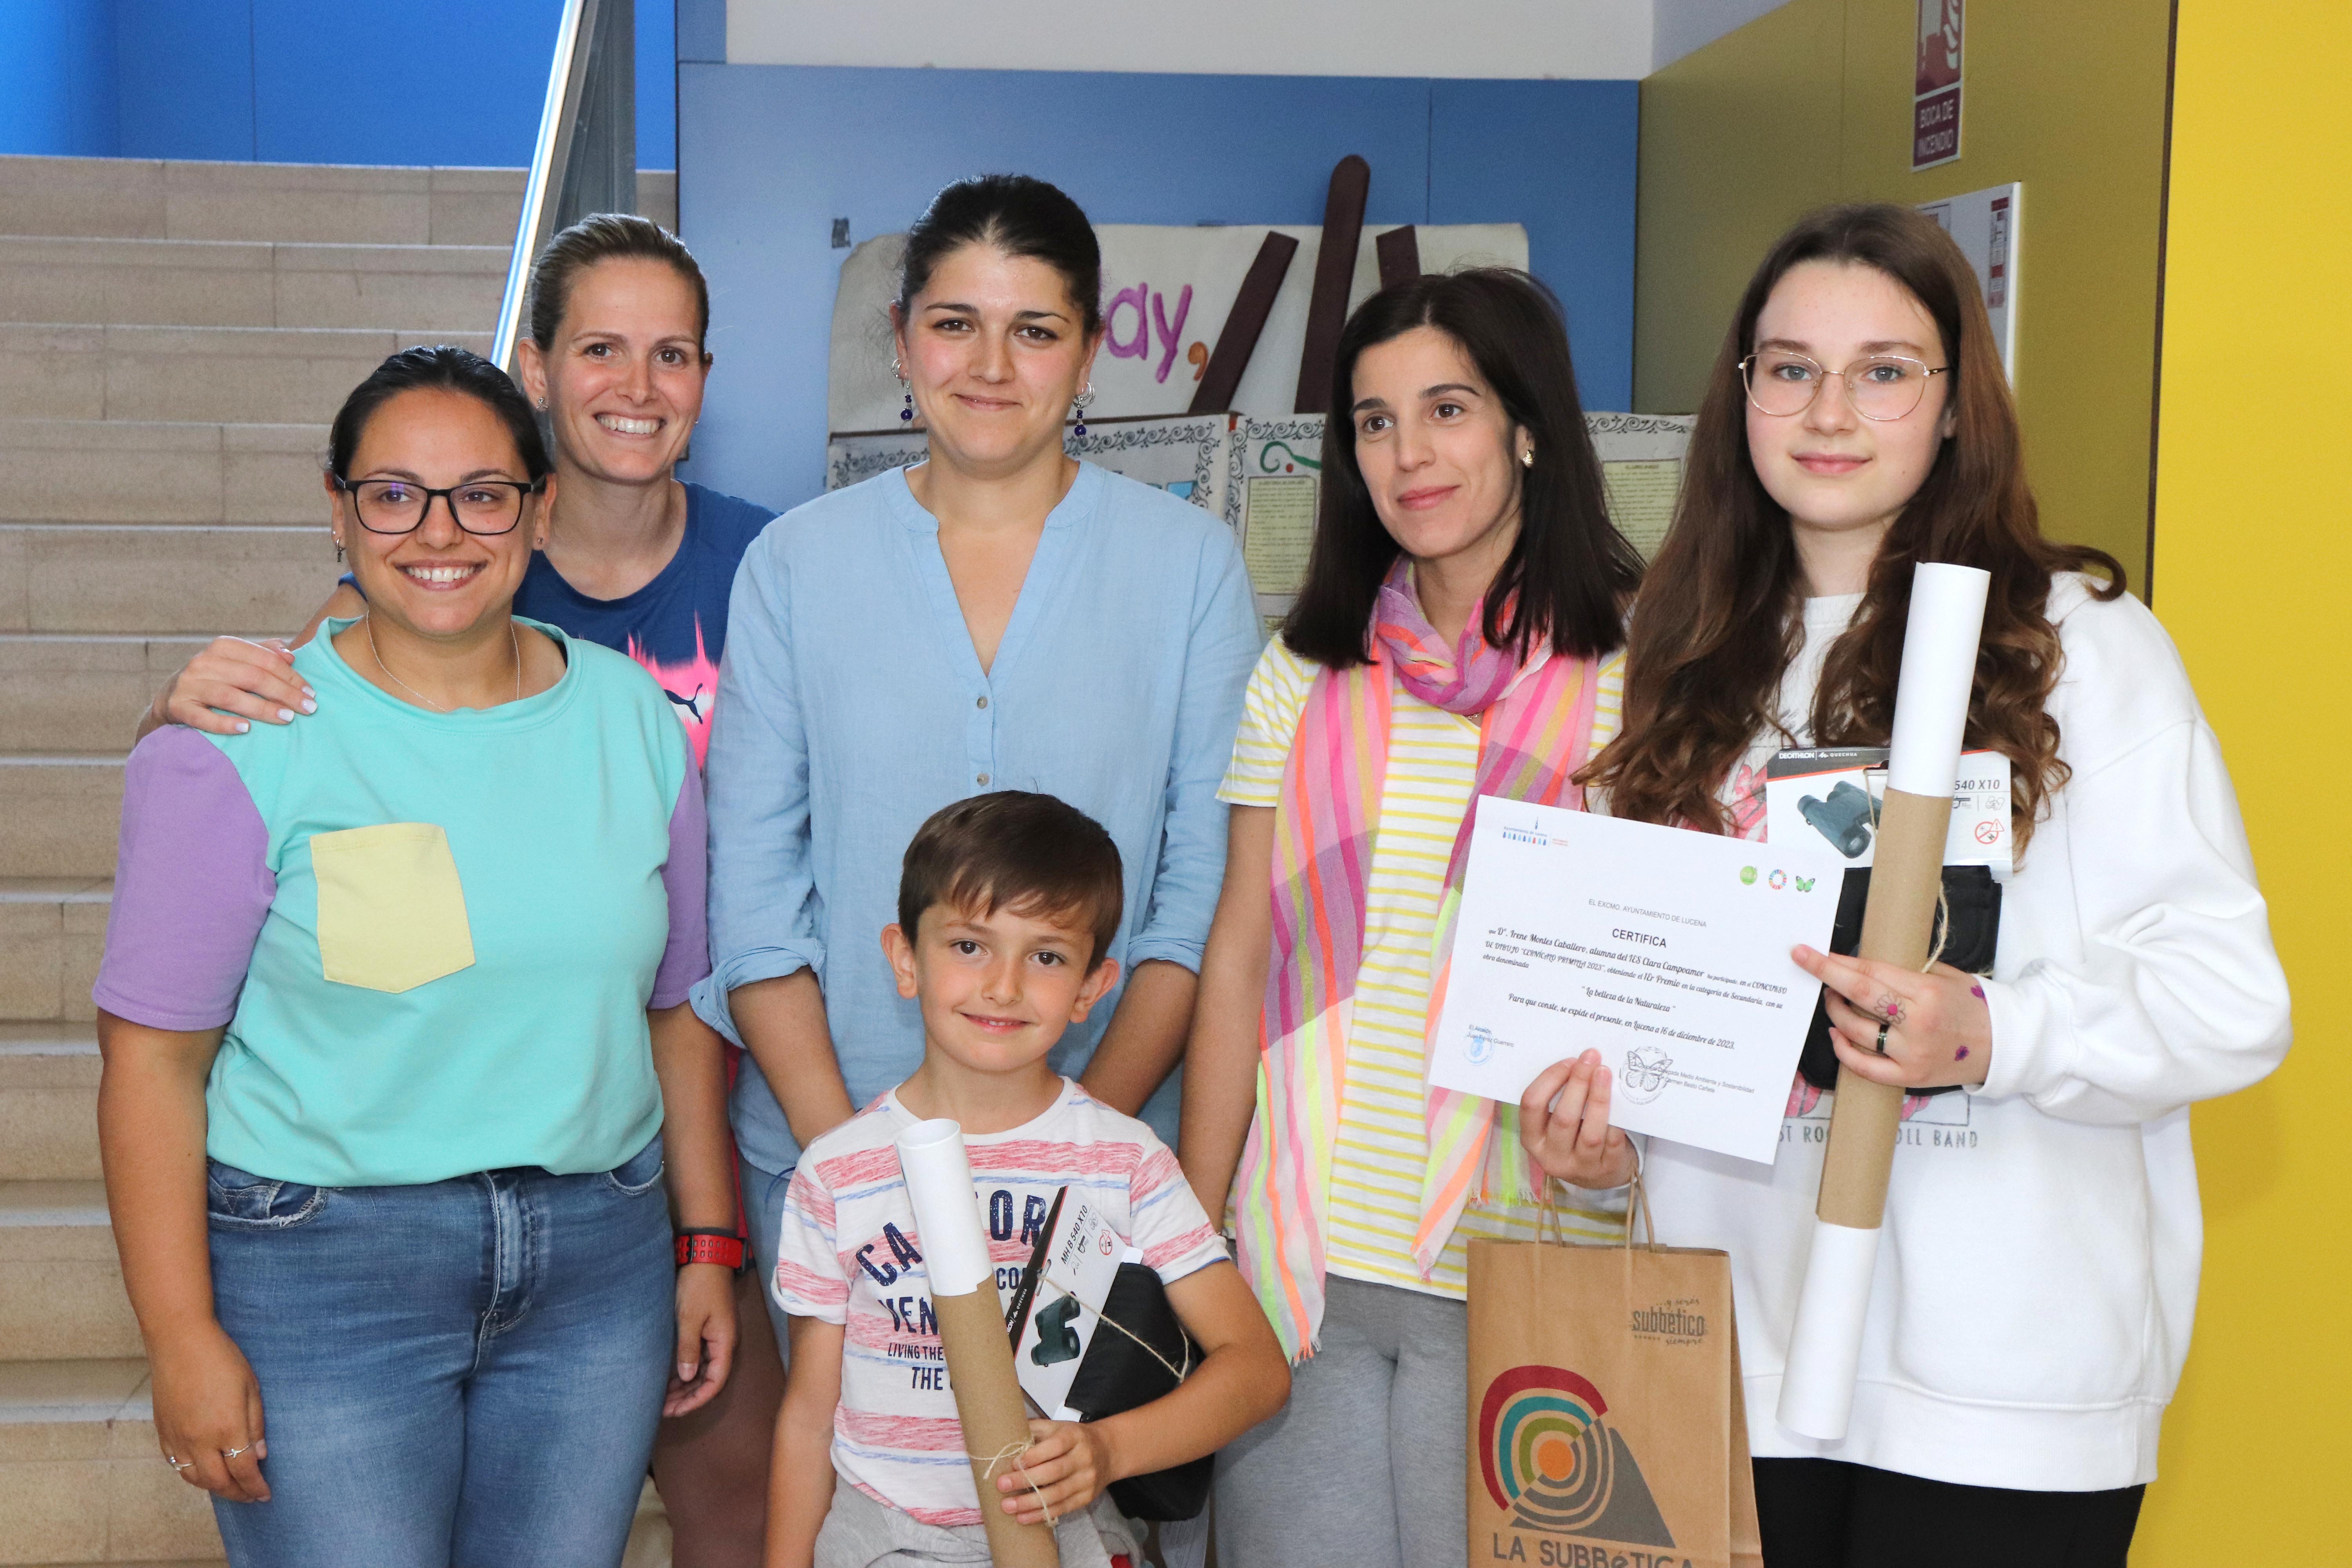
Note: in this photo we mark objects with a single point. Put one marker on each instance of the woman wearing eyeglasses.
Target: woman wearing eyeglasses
(2034, 1293)
(395, 1054)
(642, 562)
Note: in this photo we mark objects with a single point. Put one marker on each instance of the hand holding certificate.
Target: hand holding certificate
(1665, 950)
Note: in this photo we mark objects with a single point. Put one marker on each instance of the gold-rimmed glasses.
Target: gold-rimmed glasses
(1783, 383)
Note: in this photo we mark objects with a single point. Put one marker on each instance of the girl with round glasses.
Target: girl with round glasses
(397, 1054)
(2039, 1272)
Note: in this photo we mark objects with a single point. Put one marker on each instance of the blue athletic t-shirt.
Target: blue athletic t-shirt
(676, 625)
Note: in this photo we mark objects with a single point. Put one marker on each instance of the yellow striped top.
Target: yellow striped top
(1384, 1142)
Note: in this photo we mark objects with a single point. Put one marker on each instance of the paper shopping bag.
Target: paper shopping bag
(1607, 1428)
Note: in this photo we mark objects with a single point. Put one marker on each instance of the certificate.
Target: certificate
(1665, 950)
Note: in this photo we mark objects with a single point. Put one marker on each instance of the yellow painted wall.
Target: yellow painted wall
(2253, 556)
(1811, 103)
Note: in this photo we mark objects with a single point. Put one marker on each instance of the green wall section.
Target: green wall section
(1811, 103)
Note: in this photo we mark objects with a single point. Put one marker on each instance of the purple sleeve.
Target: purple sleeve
(687, 875)
(192, 886)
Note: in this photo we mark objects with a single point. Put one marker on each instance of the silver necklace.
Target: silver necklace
(367, 624)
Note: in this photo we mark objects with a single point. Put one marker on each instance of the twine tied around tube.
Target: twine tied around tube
(1014, 1451)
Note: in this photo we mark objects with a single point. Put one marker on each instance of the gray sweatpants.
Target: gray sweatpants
(1363, 1469)
(861, 1533)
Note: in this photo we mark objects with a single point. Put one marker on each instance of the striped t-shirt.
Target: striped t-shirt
(849, 1254)
(1382, 1146)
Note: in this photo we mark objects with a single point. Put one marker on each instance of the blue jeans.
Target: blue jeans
(461, 1375)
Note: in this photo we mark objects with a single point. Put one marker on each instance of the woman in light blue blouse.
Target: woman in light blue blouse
(1000, 616)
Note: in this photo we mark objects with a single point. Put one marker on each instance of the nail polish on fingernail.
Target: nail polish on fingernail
(308, 692)
(309, 705)
(286, 715)
(242, 726)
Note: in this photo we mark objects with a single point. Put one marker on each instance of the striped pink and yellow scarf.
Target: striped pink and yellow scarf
(1535, 730)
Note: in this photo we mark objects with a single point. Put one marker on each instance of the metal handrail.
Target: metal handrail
(590, 88)
(557, 116)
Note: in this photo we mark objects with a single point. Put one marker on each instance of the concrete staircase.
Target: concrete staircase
(172, 339)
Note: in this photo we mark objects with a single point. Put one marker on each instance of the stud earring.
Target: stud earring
(1528, 458)
(1078, 411)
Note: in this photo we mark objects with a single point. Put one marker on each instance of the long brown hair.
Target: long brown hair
(1719, 617)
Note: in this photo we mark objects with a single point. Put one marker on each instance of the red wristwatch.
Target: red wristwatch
(723, 1248)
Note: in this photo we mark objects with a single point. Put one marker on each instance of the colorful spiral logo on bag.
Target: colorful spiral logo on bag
(1552, 1461)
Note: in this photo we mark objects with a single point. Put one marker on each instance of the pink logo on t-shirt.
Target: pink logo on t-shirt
(690, 685)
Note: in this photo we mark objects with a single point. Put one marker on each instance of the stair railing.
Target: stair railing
(585, 160)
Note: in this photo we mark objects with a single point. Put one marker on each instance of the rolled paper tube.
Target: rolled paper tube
(1931, 712)
(947, 1210)
(1826, 1338)
(979, 1352)
(1939, 667)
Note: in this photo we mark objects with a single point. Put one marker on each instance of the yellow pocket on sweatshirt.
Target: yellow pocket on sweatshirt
(391, 915)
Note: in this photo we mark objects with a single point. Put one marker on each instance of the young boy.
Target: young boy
(1005, 905)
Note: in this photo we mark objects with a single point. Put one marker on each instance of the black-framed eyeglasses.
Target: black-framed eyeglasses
(1783, 383)
(398, 506)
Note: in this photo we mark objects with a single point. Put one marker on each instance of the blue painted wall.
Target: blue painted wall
(357, 81)
(56, 77)
(770, 155)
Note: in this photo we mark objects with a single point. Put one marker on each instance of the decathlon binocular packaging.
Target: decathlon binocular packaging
(1836, 792)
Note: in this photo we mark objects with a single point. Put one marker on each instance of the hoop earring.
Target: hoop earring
(1078, 411)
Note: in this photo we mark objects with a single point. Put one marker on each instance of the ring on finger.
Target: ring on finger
(232, 1453)
(179, 1464)
(1881, 1045)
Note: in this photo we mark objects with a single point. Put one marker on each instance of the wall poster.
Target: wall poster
(1984, 223)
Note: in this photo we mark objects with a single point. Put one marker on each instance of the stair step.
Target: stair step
(103, 578)
(48, 1119)
(127, 470)
(81, 1477)
(68, 693)
(52, 934)
(248, 283)
(228, 374)
(61, 1294)
(58, 819)
(149, 198)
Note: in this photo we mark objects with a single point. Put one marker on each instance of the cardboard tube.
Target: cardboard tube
(1931, 712)
(979, 1352)
(1897, 925)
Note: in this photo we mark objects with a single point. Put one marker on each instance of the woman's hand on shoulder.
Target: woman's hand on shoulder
(231, 682)
(208, 1412)
(1564, 1123)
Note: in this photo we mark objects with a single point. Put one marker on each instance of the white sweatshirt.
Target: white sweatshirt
(2038, 1275)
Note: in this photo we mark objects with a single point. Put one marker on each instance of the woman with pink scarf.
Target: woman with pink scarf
(1456, 635)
